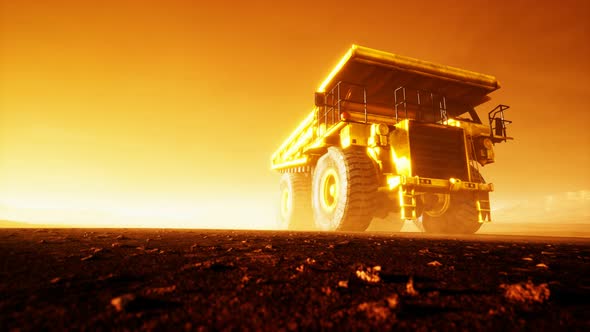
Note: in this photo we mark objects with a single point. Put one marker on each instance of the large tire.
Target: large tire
(344, 188)
(295, 201)
(460, 218)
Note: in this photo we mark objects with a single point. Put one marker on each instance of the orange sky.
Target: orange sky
(123, 110)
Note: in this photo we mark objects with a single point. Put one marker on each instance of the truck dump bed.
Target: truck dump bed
(381, 73)
(372, 80)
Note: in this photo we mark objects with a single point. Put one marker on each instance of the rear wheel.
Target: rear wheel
(344, 188)
(295, 201)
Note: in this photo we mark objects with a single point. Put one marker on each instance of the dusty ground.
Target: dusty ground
(174, 280)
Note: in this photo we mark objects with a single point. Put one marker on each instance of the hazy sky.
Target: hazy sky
(115, 110)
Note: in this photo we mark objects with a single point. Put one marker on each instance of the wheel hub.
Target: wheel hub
(285, 203)
(435, 205)
(329, 190)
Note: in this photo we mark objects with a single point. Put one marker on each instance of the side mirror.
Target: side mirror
(499, 127)
(320, 99)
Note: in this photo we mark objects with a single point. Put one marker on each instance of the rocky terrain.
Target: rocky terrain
(130, 279)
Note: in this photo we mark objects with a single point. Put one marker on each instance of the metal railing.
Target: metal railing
(420, 105)
(340, 97)
(428, 106)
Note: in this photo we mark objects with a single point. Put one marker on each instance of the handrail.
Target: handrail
(419, 104)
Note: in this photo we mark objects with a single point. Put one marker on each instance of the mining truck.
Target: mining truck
(394, 138)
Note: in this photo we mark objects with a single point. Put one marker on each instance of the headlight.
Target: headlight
(382, 129)
(488, 143)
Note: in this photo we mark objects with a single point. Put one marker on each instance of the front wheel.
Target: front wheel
(344, 188)
(461, 217)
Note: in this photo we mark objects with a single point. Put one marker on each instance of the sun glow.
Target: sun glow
(232, 213)
(163, 114)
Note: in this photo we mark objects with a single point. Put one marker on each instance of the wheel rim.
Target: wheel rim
(329, 191)
(285, 203)
(441, 206)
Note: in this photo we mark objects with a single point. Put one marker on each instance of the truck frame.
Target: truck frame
(391, 137)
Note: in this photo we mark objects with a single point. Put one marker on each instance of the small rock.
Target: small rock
(343, 283)
(55, 280)
(89, 257)
(543, 266)
(434, 263)
(205, 264)
(369, 275)
(528, 259)
(526, 292)
(374, 310)
(392, 301)
(121, 237)
(95, 250)
(410, 290)
(122, 302)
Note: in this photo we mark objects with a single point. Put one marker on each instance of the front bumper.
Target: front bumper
(420, 184)
(409, 187)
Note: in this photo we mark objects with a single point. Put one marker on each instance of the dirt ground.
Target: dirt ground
(130, 279)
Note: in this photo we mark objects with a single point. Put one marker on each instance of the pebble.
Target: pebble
(122, 302)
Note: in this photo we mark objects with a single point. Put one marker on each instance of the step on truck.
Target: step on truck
(394, 138)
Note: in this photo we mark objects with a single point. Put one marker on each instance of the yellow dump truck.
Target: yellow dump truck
(395, 138)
